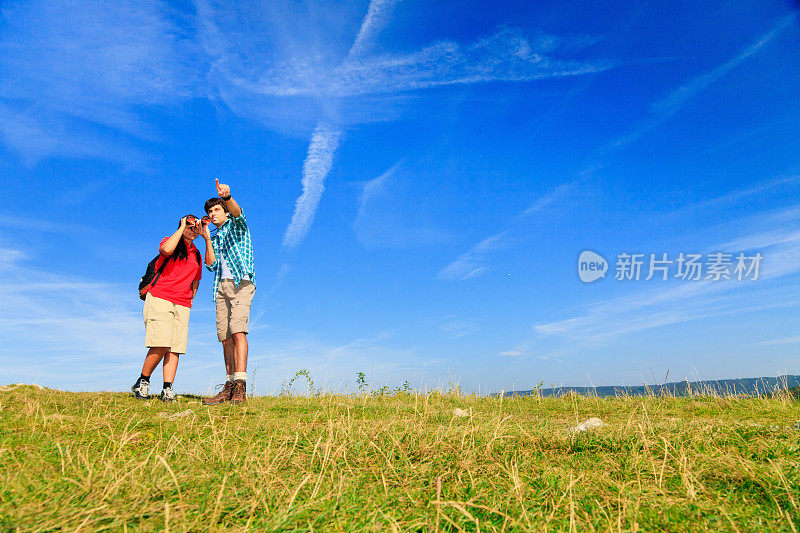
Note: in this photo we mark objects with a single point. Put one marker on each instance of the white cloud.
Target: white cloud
(468, 265)
(66, 329)
(69, 71)
(676, 98)
(393, 213)
(778, 342)
(318, 163)
(474, 263)
(670, 104)
(458, 328)
(377, 17)
(651, 308)
(504, 56)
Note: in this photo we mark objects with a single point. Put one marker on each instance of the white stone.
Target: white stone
(589, 424)
(460, 413)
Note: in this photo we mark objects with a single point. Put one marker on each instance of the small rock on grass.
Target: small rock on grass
(589, 424)
(460, 413)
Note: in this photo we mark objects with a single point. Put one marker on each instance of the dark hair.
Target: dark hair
(181, 252)
(214, 201)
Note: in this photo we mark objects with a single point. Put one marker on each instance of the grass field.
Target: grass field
(103, 461)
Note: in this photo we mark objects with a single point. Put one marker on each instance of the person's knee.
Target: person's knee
(240, 338)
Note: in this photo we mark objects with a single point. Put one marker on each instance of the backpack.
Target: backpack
(151, 276)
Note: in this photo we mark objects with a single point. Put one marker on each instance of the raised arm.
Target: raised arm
(211, 258)
(172, 242)
(224, 192)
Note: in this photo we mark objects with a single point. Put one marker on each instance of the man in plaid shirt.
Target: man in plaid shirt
(229, 255)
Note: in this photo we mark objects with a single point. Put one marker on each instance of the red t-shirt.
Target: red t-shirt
(175, 283)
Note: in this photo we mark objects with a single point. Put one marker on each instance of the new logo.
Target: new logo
(591, 266)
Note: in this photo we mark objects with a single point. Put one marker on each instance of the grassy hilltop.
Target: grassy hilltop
(102, 461)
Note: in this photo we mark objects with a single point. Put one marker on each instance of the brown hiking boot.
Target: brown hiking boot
(223, 396)
(239, 394)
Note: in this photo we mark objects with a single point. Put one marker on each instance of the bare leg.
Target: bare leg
(227, 350)
(170, 366)
(240, 340)
(154, 356)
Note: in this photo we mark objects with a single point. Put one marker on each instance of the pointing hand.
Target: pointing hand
(222, 190)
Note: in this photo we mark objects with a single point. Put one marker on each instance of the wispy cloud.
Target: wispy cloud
(475, 262)
(789, 183)
(561, 192)
(61, 321)
(650, 308)
(309, 83)
(673, 101)
(69, 72)
(377, 17)
(470, 264)
(382, 221)
(316, 167)
(670, 104)
(458, 328)
(326, 137)
(505, 56)
(779, 342)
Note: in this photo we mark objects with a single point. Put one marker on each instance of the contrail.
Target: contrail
(325, 138)
(318, 163)
(374, 21)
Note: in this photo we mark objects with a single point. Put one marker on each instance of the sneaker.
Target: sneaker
(239, 394)
(223, 396)
(141, 389)
(168, 395)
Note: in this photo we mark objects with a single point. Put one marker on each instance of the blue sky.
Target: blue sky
(420, 179)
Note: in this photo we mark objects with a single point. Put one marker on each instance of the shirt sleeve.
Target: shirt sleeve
(239, 221)
(162, 244)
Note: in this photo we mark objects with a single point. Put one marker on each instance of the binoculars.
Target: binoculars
(191, 220)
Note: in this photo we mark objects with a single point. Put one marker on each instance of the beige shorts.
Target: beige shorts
(166, 324)
(233, 307)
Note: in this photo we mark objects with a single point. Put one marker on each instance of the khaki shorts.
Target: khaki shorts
(233, 307)
(166, 324)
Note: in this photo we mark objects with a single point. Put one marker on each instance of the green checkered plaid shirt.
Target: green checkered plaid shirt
(233, 242)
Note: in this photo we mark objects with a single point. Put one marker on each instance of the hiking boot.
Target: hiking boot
(239, 394)
(168, 395)
(141, 389)
(223, 396)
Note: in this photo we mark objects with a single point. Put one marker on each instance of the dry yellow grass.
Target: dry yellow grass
(349, 463)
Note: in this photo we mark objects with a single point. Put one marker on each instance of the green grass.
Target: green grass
(107, 462)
